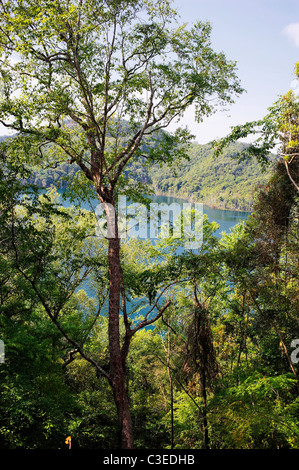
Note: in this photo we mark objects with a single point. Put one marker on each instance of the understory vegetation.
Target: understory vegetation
(116, 341)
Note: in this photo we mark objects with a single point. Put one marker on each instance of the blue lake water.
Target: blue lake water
(226, 219)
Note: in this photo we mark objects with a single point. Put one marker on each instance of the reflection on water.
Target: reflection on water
(225, 218)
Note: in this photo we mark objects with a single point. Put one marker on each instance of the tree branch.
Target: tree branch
(149, 322)
(289, 175)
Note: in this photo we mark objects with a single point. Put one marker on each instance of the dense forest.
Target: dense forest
(214, 371)
(222, 182)
(118, 342)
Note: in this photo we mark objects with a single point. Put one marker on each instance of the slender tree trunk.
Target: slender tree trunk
(117, 372)
(204, 408)
(171, 389)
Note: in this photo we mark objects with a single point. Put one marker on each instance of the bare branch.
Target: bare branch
(149, 322)
(289, 175)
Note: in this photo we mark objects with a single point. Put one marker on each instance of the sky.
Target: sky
(262, 36)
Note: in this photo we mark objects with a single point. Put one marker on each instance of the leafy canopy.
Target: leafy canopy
(89, 80)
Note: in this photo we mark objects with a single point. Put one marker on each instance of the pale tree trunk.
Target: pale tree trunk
(204, 408)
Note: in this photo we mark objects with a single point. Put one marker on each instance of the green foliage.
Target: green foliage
(222, 182)
(41, 271)
(214, 369)
(247, 283)
(258, 412)
(84, 67)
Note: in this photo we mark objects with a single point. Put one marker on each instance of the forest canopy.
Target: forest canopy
(125, 343)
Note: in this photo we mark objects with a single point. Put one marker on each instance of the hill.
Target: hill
(221, 182)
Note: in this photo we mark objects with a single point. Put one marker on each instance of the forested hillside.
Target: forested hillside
(183, 339)
(221, 182)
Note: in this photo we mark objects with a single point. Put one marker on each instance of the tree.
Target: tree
(73, 72)
(41, 271)
(272, 234)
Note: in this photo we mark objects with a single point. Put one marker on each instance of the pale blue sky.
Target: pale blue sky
(252, 32)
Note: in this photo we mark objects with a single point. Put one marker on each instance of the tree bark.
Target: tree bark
(117, 371)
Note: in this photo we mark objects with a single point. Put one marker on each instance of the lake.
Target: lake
(226, 219)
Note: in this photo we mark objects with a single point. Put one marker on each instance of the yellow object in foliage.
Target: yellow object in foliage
(68, 440)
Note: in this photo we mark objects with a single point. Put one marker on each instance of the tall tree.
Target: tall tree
(73, 71)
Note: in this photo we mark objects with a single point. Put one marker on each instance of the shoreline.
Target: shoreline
(191, 200)
(172, 195)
